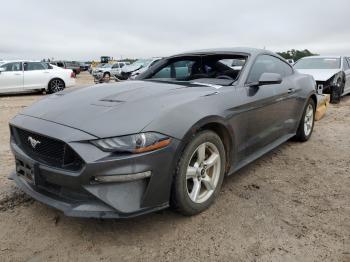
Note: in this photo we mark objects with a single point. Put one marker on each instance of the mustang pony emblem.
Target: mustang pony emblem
(33, 142)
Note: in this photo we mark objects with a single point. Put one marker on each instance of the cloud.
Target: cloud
(84, 30)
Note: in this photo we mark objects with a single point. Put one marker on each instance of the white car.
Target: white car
(331, 73)
(28, 76)
(108, 70)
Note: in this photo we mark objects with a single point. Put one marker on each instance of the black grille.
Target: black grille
(46, 150)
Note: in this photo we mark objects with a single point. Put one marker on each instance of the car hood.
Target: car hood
(101, 69)
(320, 74)
(108, 110)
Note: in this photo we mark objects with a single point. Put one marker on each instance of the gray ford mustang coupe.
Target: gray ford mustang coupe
(166, 139)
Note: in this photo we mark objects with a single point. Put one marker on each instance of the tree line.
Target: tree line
(296, 54)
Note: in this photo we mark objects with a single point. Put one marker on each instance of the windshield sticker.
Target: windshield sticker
(210, 85)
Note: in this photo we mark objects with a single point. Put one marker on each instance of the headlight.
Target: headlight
(137, 143)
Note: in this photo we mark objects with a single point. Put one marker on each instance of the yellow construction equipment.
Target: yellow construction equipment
(322, 105)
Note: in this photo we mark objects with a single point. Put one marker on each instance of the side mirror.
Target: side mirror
(270, 79)
(2, 69)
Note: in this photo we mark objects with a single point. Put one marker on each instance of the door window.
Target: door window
(47, 65)
(33, 66)
(115, 66)
(268, 64)
(11, 67)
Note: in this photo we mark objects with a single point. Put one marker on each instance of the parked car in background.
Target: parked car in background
(137, 68)
(126, 149)
(109, 70)
(84, 66)
(28, 76)
(74, 66)
(332, 74)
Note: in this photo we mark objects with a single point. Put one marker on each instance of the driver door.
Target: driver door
(269, 111)
(115, 70)
(11, 79)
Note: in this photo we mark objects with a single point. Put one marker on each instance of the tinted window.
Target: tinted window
(222, 67)
(33, 66)
(268, 64)
(163, 73)
(115, 66)
(47, 65)
(16, 66)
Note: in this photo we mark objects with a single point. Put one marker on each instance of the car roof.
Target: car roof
(243, 50)
(321, 56)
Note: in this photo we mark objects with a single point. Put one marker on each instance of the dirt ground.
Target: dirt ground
(293, 204)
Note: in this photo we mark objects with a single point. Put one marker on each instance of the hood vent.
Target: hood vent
(106, 102)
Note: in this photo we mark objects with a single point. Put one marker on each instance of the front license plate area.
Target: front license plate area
(29, 171)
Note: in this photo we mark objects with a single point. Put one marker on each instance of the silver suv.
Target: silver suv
(109, 70)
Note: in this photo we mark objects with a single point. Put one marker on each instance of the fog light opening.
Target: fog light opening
(120, 178)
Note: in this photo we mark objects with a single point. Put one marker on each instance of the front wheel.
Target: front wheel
(56, 85)
(199, 174)
(306, 125)
(106, 77)
(336, 91)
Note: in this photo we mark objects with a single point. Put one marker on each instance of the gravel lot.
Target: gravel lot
(291, 205)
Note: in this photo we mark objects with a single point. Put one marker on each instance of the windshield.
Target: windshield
(142, 62)
(205, 67)
(318, 63)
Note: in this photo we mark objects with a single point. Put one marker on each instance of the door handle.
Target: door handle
(46, 72)
(291, 90)
(18, 74)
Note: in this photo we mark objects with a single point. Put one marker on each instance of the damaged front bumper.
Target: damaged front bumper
(139, 184)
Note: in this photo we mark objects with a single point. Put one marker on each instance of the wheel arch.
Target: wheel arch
(219, 126)
(54, 78)
(314, 98)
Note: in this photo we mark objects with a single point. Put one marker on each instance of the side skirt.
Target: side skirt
(261, 152)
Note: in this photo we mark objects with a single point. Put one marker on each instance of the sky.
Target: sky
(86, 30)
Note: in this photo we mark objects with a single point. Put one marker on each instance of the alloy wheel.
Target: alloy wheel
(308, 120)
(203, 172)
(57, 85)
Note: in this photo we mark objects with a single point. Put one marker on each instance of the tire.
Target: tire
(304, 131)
(186, 198)
(106, 77)
(336, 91)
(56, 85)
